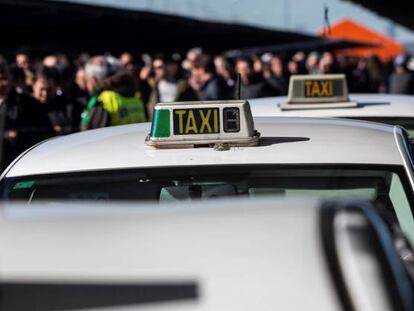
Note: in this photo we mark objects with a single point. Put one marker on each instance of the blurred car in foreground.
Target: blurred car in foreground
(383, 108)
(218, 255)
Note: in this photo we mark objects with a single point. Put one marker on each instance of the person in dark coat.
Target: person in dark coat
(204, 81)
(275, 77)
(252, 85)
(54, 103)
(360, 82)
(23, 121)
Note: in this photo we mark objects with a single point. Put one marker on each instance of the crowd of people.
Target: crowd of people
(53, 95)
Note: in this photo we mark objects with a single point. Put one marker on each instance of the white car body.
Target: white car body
(258, 255)
(284, 141)
(370, 106)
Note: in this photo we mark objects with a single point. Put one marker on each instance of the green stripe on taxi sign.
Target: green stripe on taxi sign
(161, 123)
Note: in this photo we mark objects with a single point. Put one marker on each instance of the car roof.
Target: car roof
(285, 141)
(236, 255)
(369, 105)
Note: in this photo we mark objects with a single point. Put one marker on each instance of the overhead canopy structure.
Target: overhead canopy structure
(73, 28)
(319, 45)
(400, 11)
(347, 29)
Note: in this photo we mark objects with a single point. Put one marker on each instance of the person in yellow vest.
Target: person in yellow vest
(116, 103)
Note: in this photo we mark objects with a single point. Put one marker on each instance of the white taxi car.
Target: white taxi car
(207, 150)
(309, 97)
(258, 255)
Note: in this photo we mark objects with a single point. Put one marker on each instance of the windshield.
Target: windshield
(200, 182)
(384, 185)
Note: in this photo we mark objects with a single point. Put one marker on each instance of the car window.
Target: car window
(205, 182)
(401, 206)
(186, 182)
(356, 193)
(149, 184)
(386, 186)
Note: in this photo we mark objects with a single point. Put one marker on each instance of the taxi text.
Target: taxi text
(196, 121)
(319, 88)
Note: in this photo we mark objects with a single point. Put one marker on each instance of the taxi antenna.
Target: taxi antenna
(238, 87)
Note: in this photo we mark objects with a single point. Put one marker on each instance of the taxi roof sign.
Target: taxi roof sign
(317, 92)
(188, 124)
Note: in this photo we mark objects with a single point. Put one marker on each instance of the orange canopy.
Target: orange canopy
(350, 30)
